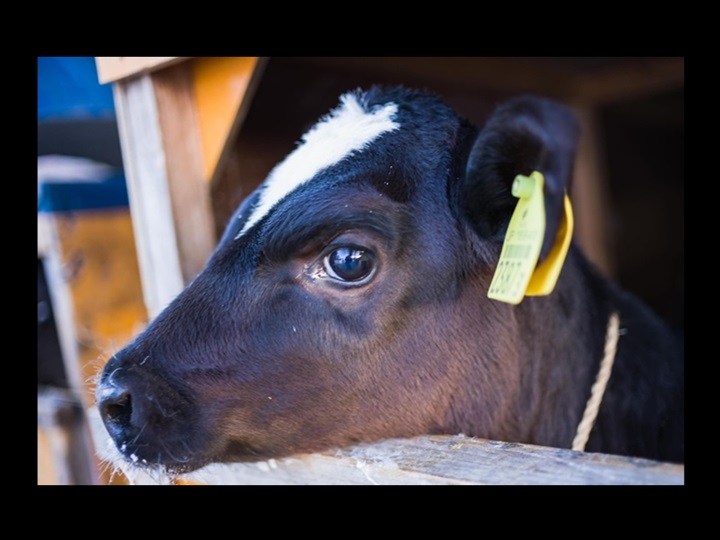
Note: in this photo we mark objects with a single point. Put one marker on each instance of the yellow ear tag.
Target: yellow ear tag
(545, 276)
(516, 274)
(523, 240)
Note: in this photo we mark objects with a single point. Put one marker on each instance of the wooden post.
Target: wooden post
(174, 128)
(187, 184)
(147, 182)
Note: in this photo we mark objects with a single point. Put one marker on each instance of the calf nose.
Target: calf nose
(115, 405)
(146, 411)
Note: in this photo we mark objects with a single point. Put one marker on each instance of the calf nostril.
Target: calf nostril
(116, 407)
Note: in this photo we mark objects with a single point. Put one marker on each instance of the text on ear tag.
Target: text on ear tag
(523, 240)
(518, 274)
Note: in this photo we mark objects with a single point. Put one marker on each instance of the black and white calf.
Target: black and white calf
(348, 301)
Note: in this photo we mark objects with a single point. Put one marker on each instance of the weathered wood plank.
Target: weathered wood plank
(187, 185)
(427, 460)
(448, 460)
(114, 68)
(150, 206)
(163, 119)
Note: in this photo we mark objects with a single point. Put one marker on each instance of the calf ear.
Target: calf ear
(523, 135)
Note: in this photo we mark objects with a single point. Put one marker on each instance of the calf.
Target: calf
(347, 302)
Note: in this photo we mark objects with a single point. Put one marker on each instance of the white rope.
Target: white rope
(598, 388)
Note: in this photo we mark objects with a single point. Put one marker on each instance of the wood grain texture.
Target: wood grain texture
(114, 68)
(147, 182)
(426, 460)
(448, 460)
(187, 186)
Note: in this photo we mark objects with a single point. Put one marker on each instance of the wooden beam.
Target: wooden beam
(425, 460)
(175, 125)
(488, 74)
(223, 88)
(147, 181)
(56, 266)
(630, 79)
(188, 189)
(572, 80)
(115, 68)
(447, 460)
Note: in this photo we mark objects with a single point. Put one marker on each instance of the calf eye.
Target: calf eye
(350, 264)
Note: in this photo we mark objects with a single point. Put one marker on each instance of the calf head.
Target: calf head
(347, 299)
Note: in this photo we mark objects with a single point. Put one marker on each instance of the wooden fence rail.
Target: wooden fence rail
(429, 460)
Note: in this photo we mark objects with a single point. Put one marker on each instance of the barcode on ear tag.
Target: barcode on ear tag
(523, 241)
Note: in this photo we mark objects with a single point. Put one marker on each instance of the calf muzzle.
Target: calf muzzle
(146, 415)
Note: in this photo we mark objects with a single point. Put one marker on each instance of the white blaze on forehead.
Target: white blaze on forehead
(347, 129)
